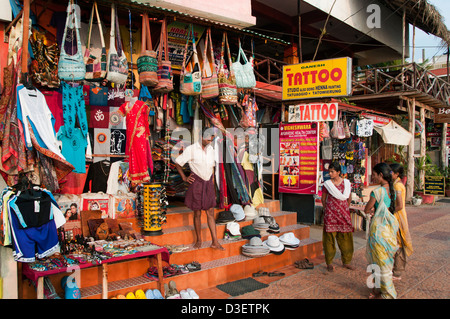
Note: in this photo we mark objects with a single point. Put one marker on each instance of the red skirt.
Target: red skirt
(201, 194)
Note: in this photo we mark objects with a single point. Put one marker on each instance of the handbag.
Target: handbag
(147, 63)
(117, 61)
(71, 67)
(191, 82)
(245, 77)
(165, 80)
(95, 67)
(338, 130)
(210, 85)
(227, 82)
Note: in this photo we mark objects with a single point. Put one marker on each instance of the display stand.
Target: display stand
(152, 209)
(38, 276)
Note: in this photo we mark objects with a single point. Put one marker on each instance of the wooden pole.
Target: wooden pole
(105, 281)
(410, 172)
(423, 145)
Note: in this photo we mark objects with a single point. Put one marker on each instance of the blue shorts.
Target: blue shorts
(29, 243)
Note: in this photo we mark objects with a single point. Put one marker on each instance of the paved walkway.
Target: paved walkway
(426, 276)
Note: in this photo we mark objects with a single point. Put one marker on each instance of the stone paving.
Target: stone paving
(426, 276)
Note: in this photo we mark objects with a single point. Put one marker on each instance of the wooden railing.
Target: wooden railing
(408, 77)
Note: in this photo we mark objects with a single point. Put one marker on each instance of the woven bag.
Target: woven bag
(227, 83)
(147, 63)
(117, 61)
(210, 84)
(245, 77)
(191, 82)
(95, 67)
(165, 79)
(71, 67)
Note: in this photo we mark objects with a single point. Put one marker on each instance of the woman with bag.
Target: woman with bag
(337, 220)
(382, 240)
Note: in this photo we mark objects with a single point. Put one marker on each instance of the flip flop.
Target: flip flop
(276, 273)
(157, 294)
(185, 295)
(259, 274)
(304, 264)
(149, 294)
(192, 293)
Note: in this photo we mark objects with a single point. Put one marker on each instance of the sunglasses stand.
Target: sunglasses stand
(154, 206)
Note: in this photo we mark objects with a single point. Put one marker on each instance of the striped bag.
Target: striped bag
(95, 67)
(165, 82)
(147, 63)
(191, 82)
(227, 80)
(210, 84)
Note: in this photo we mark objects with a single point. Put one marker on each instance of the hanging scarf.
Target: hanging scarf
(332, 189)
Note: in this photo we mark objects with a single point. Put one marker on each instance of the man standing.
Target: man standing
(201, 192)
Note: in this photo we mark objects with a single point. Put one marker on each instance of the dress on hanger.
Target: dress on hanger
(138, 149)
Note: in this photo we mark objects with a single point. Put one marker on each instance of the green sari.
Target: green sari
(382, 244)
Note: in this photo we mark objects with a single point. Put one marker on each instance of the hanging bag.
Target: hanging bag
(165, 80)
(117, 61)
(147, 63)
(191, 82)
(95, 67)
(227, 80)
(245, 77)
(210, 84)
(338, 129)
(71, 67)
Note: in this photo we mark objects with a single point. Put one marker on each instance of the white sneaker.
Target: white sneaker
(192, 293)
(185, 295)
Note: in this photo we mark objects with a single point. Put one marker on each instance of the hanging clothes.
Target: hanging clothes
(74, 109)
(138, 146)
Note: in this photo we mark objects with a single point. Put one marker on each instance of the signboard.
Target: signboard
(326, 78)
(299, 158)
(434, 185)
(442, 115)
(377, 120)
(319, 112)
(177, 33)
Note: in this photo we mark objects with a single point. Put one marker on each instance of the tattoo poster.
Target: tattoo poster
(299, 158)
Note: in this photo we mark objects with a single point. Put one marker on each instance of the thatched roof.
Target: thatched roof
(423, 15)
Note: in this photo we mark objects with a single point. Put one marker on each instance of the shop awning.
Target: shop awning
(393, 133)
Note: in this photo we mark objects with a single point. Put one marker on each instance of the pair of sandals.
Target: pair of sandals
(270, 274)
(304, 264)
(193, 266)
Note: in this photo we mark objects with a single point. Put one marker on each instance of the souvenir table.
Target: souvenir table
(38, 276)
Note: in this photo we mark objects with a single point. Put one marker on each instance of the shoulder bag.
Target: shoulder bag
(191, 82)
(147, 63)
(210, 85)
(227, 82)
(71, 67)
(95, 67)
(117, 61)
(245, 77)
(165, 80)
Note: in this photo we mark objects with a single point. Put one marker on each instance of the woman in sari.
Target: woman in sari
(382, 240)
(403, 236)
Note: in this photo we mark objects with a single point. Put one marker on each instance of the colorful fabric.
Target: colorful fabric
(403, 236)
(337, 213)
(138, 147)
(382, 244)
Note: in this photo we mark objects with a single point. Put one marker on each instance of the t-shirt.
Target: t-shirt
(97, 177)
(74, 149)
(201, 162)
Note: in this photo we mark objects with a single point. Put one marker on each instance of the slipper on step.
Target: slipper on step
(185, 295)
(304, 264)
(157, 294)
(149, 294)
(275, 274)
(192, 293)
(259, 274)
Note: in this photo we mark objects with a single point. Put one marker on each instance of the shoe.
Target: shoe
(149, 294)
(157, 294)
(173, 291)
(130, 295)
(192, 293)
(185, 295)
(140, 294)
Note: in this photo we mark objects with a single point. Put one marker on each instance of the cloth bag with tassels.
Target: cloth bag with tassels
(245, 77)
(147, 63)
(117, 61)
(210, 84)
(95, 67)
(191, 82)
(165, 80)
(71, 67)
(227, 83)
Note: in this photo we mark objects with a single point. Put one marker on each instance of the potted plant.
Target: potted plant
(416, 200)
(446, 173)
(425, 164)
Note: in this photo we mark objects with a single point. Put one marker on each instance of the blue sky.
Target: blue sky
(428, 42)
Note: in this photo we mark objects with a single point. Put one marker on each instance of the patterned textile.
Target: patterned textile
(403, 236)
(382, 244)
(337, 213)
